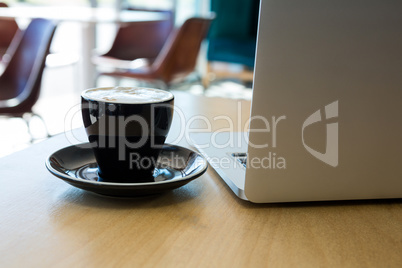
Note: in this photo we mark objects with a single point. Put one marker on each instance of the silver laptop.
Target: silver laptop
(326, 116)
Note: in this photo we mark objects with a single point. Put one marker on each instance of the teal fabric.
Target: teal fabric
(241, 51)
(232, 36)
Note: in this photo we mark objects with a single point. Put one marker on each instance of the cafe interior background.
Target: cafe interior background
(60, 89)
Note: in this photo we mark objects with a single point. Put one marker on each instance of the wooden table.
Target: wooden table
(88, 17)
(45, 222)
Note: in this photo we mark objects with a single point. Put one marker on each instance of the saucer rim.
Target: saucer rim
(117, 184)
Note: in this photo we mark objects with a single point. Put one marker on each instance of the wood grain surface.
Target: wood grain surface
(45, 222)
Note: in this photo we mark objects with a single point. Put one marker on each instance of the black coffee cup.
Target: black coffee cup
(126, 128)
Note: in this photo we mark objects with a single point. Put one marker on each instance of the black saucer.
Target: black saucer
(77, 166)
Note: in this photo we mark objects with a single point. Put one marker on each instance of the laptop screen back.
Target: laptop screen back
(327, 101)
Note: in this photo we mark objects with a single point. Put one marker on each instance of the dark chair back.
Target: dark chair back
(141, 39)
(8, 29)
(178, 57)
(21, 80)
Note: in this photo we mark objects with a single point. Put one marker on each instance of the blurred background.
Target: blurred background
(59, 100)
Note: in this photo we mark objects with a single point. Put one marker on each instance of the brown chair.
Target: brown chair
(21, 80)
(8, 29)
(177, 58)
(137, 40)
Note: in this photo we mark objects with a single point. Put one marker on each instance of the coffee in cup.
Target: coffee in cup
(126, 128)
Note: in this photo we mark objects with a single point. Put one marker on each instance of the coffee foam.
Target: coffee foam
(129, 95)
